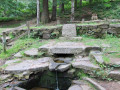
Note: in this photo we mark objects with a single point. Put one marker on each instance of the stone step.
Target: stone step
(85, 65)
(20, 66)
(67, 48)
(32, 52)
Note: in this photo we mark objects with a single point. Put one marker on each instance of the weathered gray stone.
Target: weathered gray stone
(69, 30)
(85, 65)
(88, 49)
(28, 65)
(99, 87)
(32, 52)
(67, 48)
(46, 35)
(18, 55)
(103, 26)
(71, 72)
(63, 68)
(115, 74)
(53, 65)
(4, 77)
(75, 87)
(96, 56)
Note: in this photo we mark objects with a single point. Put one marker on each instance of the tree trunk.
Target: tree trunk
(62, 7)
(45, 12)
(54, 8)
(72, 10)
(75, 4)
(90, 1)
(80, 3)
(38, 12)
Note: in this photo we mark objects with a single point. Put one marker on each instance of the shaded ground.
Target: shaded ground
(110, 85)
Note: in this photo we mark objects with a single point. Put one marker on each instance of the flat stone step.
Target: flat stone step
(69, 30)
(67, 48)
(19, 66)
(85, 65)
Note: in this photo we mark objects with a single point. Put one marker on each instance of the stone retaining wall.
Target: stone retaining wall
(98, 31)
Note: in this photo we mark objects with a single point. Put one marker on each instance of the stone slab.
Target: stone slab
(63, 68)
(85, 65)
(40, 64)
(69, 30)
(67, 48)
(32, 52)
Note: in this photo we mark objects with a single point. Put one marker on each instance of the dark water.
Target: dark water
(39, 88)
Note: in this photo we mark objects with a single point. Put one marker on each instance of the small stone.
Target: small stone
(115, 74)
(32, 52)
(63, 68)
(46, 35)
(71, 72)
(18, 55)
(96, 56)
(4, 77)
(53, 65)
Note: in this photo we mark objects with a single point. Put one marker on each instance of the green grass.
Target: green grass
(113, 41)
(22, 44)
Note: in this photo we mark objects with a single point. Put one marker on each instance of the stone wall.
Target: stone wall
(99, 30)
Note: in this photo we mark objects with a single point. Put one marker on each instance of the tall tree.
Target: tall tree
(45, 12)
(54, 8)
(72, 10)
(38, 12)
(90, 1)
(80, 3)
(75, 4)
(62, 6)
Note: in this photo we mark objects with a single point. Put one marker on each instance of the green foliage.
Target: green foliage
(81, 74)
(109, 10)
(20, 44)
